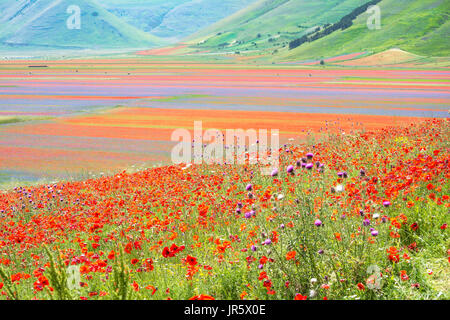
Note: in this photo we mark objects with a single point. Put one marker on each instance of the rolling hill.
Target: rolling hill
(271, 23)
(421, 27)
(319, 29)
(267, 27)
(42, 23)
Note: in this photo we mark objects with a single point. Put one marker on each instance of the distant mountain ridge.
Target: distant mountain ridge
(43, 23)
(107, 23)
(173, 18)
(286, 30)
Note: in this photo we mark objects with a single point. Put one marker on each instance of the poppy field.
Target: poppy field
(347, 215)
(248, 152)
(76, 118)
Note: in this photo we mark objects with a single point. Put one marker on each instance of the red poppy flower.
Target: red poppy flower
(152, 288)
(167, 253)
(128, 248)
(290, 255)
(403, 275)
(262, 275)
(111, 255)
(192, 261)
(44, 281)
(202, 297)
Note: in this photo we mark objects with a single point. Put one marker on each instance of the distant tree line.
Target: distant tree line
(342, 24)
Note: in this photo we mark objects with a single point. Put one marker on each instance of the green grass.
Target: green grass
(278, 20)
(16, 119)
(421, 27)
(266, 27)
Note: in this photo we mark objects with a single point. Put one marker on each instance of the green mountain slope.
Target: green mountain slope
(268, 26)
(42, 23)
(144, 15)
(173, 18)
(418, 26)
(271, 23)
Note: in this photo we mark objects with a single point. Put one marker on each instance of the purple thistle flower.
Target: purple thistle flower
(267, 241)
(366, 222)
(386, 203)
(248, 215)
(249, 187)
(309, 155)
(374, 233)
(274, 172)
(318, 223)
(309, 166)
(290, 169)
